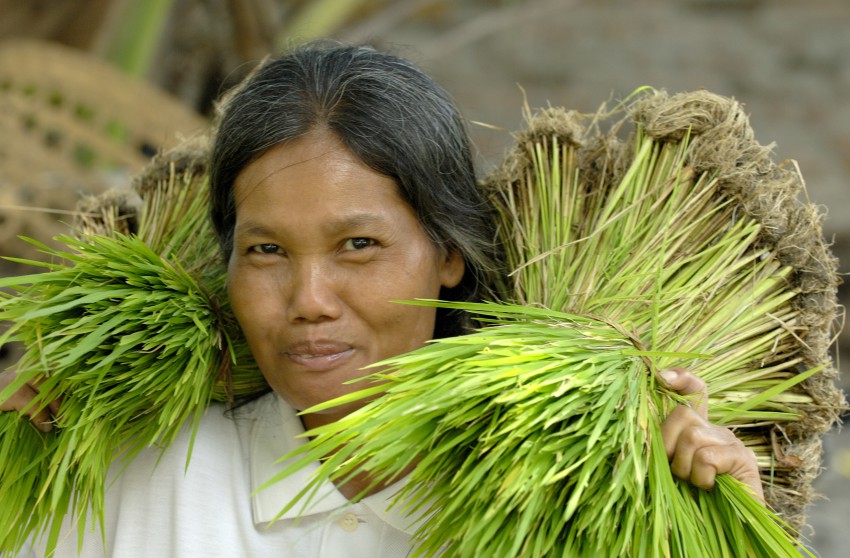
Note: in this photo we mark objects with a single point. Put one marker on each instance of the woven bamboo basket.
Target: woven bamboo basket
(70, 124)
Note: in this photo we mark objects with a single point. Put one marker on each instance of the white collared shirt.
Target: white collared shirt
(213, 508)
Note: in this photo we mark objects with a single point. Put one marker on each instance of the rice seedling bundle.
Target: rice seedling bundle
(536, 435)
(131, 332)
(539, 434)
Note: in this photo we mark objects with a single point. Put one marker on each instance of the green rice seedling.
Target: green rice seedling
(134, 343)
(539, 434)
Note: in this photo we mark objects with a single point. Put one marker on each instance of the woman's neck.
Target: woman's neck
(360, 485)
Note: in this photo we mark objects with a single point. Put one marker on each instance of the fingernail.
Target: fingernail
(668, 376)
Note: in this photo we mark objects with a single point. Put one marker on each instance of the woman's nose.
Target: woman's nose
(313, 297)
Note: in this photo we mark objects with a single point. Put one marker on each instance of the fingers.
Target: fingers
(23, 401)
(696, 450)
(54, 404)
(699, 451)
(685, 383)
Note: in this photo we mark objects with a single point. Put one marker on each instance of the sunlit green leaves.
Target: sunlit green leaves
(539, 434)
(133, 343)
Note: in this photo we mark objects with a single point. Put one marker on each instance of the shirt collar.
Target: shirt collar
(275, 432)
(393, 511)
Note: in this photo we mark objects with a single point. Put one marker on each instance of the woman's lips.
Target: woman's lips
(319, 356)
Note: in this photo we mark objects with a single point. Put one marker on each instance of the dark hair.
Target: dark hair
(392, 116)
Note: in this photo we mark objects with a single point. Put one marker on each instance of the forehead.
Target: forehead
(314, 176)
(317, 149)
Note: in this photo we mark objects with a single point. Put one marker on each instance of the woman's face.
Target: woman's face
(322, 245)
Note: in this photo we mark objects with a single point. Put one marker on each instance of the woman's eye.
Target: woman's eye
(358, 243)
(265, 248)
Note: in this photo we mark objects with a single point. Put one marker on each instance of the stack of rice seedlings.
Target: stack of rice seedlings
(131, 331)
(539, 434)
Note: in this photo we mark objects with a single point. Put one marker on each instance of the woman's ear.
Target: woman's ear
(452, 268)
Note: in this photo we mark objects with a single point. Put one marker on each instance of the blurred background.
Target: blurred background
(91, 89)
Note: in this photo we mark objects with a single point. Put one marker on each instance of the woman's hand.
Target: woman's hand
(699, 450)
(22, 400)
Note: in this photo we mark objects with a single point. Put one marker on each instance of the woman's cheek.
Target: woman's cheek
(252, 294)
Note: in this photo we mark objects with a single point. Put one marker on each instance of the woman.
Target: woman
(341, 180)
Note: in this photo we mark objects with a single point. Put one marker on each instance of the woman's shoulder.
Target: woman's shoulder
(198, 479)
(217, 436)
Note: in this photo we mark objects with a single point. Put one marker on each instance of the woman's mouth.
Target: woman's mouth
(319, 356)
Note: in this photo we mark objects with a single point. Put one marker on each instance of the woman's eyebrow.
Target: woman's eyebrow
(356, 221)
(252, 228)
(337, 226)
